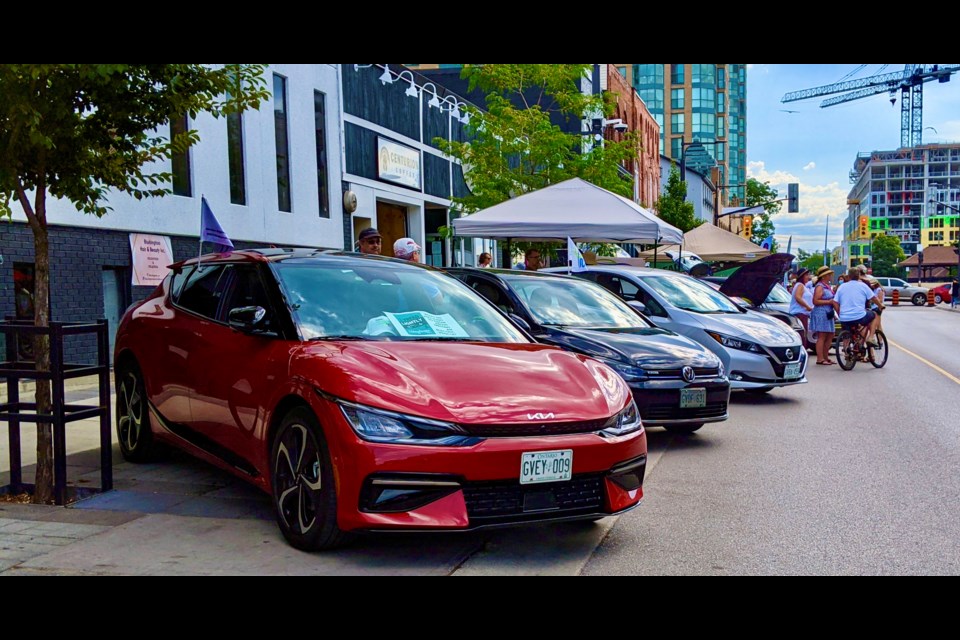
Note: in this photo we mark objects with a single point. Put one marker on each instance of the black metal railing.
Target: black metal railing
(18, 366)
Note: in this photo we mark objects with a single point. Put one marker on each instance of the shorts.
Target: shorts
(865, 320)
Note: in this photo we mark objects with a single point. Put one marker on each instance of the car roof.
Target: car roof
(320, 256)
(624, 268)
(522, 273)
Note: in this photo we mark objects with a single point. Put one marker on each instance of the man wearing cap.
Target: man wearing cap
(406, 249)
(853, 298)
(370, 241)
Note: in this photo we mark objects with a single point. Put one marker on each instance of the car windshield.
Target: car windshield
(690, 294)
(574, 303)
(386, 301)
(778, 295)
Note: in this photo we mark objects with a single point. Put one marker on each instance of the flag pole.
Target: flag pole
(200, 251)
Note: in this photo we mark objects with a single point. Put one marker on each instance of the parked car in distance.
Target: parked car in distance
(943, 293)
(916, 295)
(676, 382)
(371, 394)
(758, 353)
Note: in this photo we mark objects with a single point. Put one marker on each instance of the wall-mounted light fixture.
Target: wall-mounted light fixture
(435, 100)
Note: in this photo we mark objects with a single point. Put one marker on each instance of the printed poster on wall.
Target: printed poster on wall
(151, 257)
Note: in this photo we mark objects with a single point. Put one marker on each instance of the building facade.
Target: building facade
(897, 193)
(705, 103)
(334, 150)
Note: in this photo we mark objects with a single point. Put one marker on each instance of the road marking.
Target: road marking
(927, 362)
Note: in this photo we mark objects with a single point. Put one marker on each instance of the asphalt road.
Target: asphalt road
(853, 473)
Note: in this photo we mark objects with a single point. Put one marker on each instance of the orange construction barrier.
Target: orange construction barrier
(896, 297)
(931, 298)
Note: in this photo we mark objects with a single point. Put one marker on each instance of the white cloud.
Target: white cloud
(819, 202)
(809, 166)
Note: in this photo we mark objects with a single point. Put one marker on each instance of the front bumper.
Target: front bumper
(765, 371)
(659, 401)
(403, 487)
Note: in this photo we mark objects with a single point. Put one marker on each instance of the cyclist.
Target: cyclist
(853, 298)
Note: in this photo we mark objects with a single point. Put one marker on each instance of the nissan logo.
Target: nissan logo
(688, 374)
(789, 354)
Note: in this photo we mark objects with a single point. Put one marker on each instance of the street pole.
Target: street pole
(826, 232)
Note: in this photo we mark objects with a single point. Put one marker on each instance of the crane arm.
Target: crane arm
(912, 74)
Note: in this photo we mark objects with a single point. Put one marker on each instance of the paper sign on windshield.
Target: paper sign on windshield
(420, 323)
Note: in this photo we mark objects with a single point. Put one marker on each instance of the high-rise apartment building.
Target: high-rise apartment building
(892, 193)
(705, 103)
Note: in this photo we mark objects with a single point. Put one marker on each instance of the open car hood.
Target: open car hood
(754, 281)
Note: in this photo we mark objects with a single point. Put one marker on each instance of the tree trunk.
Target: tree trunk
(43, 485)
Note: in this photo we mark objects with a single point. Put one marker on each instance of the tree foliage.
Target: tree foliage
(76, 131)
(673, 207)
(885, 253)
(517, 145)
(761, 193)
(812, 261)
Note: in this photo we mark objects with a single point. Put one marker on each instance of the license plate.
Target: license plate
(546, 466)
(792, 370)
(693, 398)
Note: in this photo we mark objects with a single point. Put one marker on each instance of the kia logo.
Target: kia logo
(688, 374)
(789, 354)
(540, 416)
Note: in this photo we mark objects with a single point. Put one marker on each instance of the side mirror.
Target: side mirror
(247, 319)
(638, 306)
(520, 322)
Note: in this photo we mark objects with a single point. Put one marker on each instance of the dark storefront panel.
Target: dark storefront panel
(436, 176)
(388, 105)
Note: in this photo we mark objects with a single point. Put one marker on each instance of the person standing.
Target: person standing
(371, 242)
(406, 249)
(822, 319)
(954, 294)
(485, 261)
(801, 299)
(531, 260)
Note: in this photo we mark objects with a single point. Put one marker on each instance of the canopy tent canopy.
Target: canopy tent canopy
(573, 208)
(713, 244)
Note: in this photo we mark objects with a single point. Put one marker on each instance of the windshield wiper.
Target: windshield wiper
(335, 338)
(443, 339)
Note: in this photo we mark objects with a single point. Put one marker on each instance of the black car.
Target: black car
(677, 383)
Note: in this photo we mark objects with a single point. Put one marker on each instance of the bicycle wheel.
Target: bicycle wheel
(878, 355)
(847, 356)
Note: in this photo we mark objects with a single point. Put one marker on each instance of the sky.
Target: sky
(816, 147)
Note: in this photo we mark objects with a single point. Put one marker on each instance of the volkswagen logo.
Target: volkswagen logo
(789, 354)
(688, 374)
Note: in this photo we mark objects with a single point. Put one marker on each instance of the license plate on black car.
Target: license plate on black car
(693, 398)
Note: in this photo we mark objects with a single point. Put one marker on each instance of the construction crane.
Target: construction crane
(909, 82)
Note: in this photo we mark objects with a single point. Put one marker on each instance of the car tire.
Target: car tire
(137, 443)
(682, 429)
(918, 300)
(938, 298)
(304, 485)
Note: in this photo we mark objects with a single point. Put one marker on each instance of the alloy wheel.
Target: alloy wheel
(297, 477)
(130, 413)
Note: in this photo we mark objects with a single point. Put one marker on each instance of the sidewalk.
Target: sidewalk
(181, 516)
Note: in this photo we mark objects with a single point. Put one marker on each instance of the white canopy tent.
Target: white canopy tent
(573, 208)
(715, 245)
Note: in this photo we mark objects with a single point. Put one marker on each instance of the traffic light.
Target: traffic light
(747, 227)
(793, 197)
(864, 227)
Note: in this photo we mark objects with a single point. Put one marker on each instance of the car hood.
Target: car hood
(754, 281)
(648, 348)
(469, 383)
(750, 326)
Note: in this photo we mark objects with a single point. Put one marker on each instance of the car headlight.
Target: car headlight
(735, 343)
(628, 372)
(795, 324)
(627, 422)
(376, 425)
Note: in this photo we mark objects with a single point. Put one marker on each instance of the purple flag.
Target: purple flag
(210, 229)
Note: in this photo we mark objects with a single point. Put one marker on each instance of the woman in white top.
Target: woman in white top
(801, 302)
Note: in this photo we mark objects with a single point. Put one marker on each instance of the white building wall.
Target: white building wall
(259, 220)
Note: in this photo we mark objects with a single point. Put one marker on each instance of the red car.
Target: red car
(942, 294)
(371, 394)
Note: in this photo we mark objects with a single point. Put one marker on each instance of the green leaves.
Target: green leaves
(673, 206)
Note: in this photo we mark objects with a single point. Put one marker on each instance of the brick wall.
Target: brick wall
(78, 257)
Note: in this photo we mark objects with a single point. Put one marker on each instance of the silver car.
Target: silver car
(758, 352)
(916, 295)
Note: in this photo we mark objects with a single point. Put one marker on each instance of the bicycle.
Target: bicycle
(857, 349)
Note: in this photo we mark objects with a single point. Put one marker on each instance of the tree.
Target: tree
(74, 131)
(885, 253)
(515, 146)
(811, 261)
(673, 207)
(761, 193)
